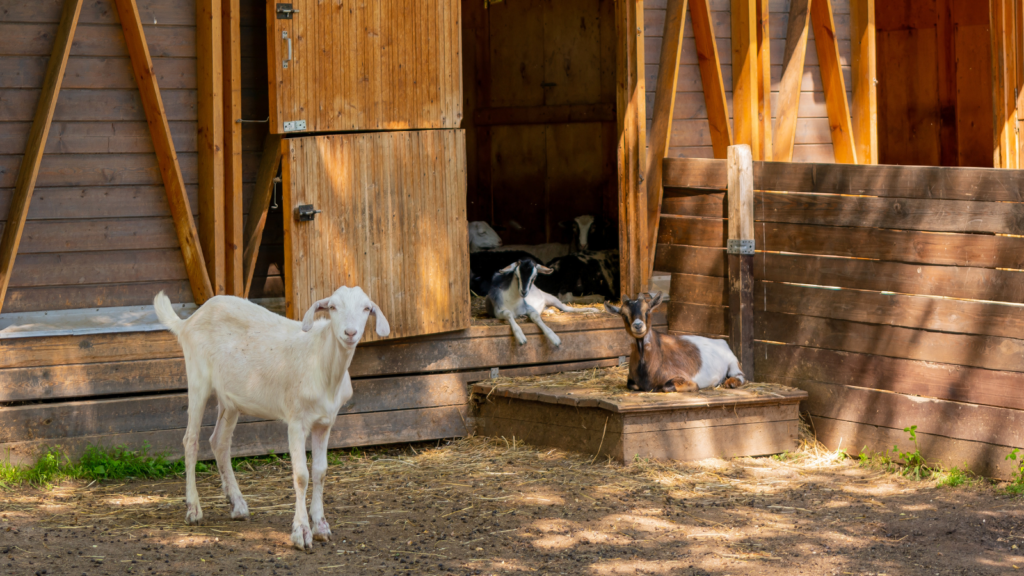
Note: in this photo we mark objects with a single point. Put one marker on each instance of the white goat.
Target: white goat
(258, 363)
(482, 237)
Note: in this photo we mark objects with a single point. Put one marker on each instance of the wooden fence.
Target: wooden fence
(892, 294)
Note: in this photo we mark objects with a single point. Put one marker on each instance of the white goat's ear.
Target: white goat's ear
(383, 328)
(544, 270)
(509, 268)
(656, 300)
(307, 320)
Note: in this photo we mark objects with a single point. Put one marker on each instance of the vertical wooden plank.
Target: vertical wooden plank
(276, 91)
(711, 79)
(167, 158)
(270, 162)
(744, 75)
(865, 94)
(947, 28)
(632, 125)
(29, 170)
(764, 82)
(233, 216)
(792, 76)
(210, 138)
(664, 105)
(740, 198)
(836, 104)
(1002, 23)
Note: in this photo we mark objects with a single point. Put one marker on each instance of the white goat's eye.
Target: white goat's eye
(367, 310)
(331, 307)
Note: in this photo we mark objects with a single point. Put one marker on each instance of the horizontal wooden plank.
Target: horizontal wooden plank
(18, 105)
(59, 350)
(973, 250)
(76, 268)
(41, 236)
(785, 363)
(21, 39)
(98, 170)
(258, 438)
(958, 420)
(97, 202)
(923, 182)
(699, 319)
(990, 352)
(48, 11)
(93, 295)
(544, 114)
(96, 137)
(86, 72)
(690, 260)
(984, 459)
(694, 289)
(694, 202)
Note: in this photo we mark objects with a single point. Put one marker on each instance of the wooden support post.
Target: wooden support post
(234, 274)
(170, 171)
(253, 235)
(711, 77)
(745, 78)
(29, 170)
(792, 76)
(764, 82)
(865, 77)
(741, 258)
(1002, 20)
(664, 106)
(832, 81)
(632, 154)
(210, 138)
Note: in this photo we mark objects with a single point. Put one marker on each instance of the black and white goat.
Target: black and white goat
(513, 294)
(576, 276)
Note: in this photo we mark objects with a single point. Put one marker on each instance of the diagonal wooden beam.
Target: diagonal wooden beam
(792, 76)
(744, 75)
(170, 171)
(664, 107)
(253, 234)
(711, 77)
(865, 93)
(29, 170)
(832, 79)
(764, 81)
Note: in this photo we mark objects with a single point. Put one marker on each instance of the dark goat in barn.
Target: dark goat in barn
(483, 266)
(666, 363)
(591, 233)
(583, 274)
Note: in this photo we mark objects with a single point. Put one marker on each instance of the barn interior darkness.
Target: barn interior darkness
(934, 83)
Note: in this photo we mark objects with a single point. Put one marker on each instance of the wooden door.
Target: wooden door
(346, 65)
(393, 221)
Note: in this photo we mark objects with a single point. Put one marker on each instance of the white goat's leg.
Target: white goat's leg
(548, 332)
(220, 441)
(321, 529)
(507, 316)
(302, 537)
(552, 301)
(198, 394)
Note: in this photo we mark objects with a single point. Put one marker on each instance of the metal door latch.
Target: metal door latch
(744, 247)
(284, 36)
(285, 11)
(306, 213)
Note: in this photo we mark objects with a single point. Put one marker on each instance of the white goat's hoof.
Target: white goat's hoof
(302, 537)
(239, 509)
(556, 341)
(322, 531)
(521, 340)
(193, 514)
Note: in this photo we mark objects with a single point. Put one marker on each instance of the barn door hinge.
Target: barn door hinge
(285, 11)
(744, 247)
(306, 213)
(295, 126)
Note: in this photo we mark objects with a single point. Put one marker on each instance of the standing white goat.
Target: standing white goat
(258, 363)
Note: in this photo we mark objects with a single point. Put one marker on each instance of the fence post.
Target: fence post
(741, 256)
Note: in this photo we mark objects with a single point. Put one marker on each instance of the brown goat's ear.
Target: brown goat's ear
(656, 300)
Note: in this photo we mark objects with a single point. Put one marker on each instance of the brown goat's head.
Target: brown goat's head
(636, 314)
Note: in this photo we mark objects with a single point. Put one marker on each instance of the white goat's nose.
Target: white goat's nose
(350, 333)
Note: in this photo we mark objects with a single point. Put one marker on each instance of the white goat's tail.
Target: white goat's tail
(165, 312)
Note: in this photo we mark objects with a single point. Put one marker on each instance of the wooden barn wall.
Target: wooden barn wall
(99, 232)
(896, 307)
(691, 137)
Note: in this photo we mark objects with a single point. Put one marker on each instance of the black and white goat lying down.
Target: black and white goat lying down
(513, 294)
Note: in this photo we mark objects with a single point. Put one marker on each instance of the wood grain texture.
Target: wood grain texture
(864, 107)
(712, 80)
(792, 76)
(29, 169)
(764, 79)
(210, 139)
(664, 107)
(1002, 24)
(832, 80)
(745, 77)
(170, 171)
(379, 66)
(632, 151)
(393, 222)
(234, 243)
(270, 163)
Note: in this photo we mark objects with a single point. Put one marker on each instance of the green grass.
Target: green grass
(955, 476)
(97, 463)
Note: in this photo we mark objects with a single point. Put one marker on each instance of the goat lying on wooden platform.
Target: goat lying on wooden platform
(261, 364)
(514, 294)
(666, 363)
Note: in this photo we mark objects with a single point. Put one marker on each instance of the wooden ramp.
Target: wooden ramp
(592, 412)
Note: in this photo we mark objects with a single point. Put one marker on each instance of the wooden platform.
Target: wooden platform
(598, 415)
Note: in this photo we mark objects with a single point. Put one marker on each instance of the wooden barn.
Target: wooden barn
(278, 150)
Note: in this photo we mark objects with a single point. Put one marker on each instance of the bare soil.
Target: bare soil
(483, 506)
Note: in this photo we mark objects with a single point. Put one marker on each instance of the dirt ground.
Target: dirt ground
(483, 506)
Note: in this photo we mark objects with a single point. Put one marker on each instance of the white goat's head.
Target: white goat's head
(482, 236)
(349, 309)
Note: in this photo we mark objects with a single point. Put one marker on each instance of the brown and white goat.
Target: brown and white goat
(666, 363)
